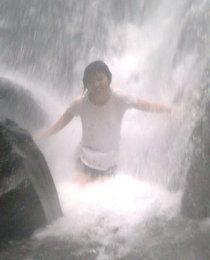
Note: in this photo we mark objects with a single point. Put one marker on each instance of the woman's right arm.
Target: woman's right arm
(59, 125)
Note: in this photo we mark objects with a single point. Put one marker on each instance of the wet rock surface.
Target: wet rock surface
(28, 197)
(18, 104)
(196, 197)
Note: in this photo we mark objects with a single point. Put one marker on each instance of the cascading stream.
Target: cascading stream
(156, 50)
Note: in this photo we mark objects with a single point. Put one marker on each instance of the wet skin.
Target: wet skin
(83, 178)
(98, 87)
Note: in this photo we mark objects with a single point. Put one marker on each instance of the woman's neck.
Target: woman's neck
(100, 100)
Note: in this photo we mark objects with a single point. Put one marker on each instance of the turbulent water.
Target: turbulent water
(157, 50)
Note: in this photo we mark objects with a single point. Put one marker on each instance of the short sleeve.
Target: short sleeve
(75, 107)
(125, 100)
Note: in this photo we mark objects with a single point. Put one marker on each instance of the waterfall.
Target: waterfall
(157, 50)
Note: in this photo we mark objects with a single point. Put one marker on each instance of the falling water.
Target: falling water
(157, 50)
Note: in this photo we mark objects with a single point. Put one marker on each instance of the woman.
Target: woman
(101, 110)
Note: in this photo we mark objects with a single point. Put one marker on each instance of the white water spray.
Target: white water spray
(148, 161)
(147, 60)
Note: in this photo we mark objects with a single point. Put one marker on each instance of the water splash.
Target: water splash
(157, 50)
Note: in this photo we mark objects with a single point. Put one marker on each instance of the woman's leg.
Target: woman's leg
(86, 174)
(82, 178)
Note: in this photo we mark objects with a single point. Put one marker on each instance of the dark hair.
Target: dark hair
(93, 67)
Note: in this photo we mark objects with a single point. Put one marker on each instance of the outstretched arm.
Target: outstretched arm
(59, 125)
(152, 106)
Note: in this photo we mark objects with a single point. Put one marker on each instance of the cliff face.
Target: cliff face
(196, 197)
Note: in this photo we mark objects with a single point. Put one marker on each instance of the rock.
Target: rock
(18, 104)
(196, 197)
(28, 197)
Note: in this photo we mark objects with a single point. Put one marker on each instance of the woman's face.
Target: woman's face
(98, 86)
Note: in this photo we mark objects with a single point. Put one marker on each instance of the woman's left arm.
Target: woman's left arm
(153, 107)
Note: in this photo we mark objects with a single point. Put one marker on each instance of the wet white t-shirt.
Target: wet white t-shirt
(101, 127)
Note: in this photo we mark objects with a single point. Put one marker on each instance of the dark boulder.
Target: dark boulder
(18, 104)
(28, 197)
(196, 197)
